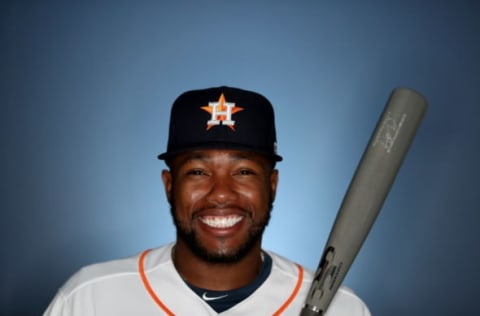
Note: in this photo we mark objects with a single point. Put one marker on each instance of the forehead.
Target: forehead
(214, 155)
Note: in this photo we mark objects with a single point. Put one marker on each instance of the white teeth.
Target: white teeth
(221, 221)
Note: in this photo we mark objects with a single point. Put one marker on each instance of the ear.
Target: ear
(273, 183)
(167, 183)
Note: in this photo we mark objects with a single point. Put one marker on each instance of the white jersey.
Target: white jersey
(149, 284)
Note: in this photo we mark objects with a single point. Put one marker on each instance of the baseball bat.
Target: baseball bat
(366, 193)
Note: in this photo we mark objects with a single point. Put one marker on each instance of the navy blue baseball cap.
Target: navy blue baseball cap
(222, 118)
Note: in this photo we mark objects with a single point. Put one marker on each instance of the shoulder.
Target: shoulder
(114, 270)
(345, 302)
(288, 267)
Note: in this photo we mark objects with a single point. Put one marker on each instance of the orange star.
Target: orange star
(221, 112)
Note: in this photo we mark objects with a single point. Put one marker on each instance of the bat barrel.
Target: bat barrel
(366, 193)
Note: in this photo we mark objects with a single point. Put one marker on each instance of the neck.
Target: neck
(216, 276)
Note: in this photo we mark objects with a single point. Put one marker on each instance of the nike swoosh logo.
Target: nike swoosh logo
(212, 298)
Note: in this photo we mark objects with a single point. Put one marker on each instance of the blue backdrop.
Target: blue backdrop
(85, 96)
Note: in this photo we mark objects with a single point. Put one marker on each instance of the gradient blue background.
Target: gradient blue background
(85, 96)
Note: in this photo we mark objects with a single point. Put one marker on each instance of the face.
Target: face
(221, 201)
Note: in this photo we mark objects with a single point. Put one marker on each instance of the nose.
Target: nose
(222, 190)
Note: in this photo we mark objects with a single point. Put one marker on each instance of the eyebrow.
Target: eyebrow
(202, 156)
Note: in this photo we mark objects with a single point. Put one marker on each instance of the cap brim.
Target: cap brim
(169, 154)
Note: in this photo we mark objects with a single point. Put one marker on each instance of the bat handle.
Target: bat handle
(310, 311)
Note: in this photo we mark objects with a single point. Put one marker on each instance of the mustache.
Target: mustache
(213, 206)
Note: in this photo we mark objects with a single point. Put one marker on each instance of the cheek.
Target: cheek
(185, 197)
(260, 196)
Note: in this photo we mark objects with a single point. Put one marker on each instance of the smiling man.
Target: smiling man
(221, 183)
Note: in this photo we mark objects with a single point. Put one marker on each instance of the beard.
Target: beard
(190, 238)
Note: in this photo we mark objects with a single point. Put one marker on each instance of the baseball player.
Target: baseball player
(220, 183)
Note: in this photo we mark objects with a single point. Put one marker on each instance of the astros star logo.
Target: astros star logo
(221, 112)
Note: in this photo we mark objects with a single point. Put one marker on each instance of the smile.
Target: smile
(221, 221)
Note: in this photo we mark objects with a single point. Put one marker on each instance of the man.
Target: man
(221, 184)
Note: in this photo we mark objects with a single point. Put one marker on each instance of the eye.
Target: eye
(196, 172)
(246, 172)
